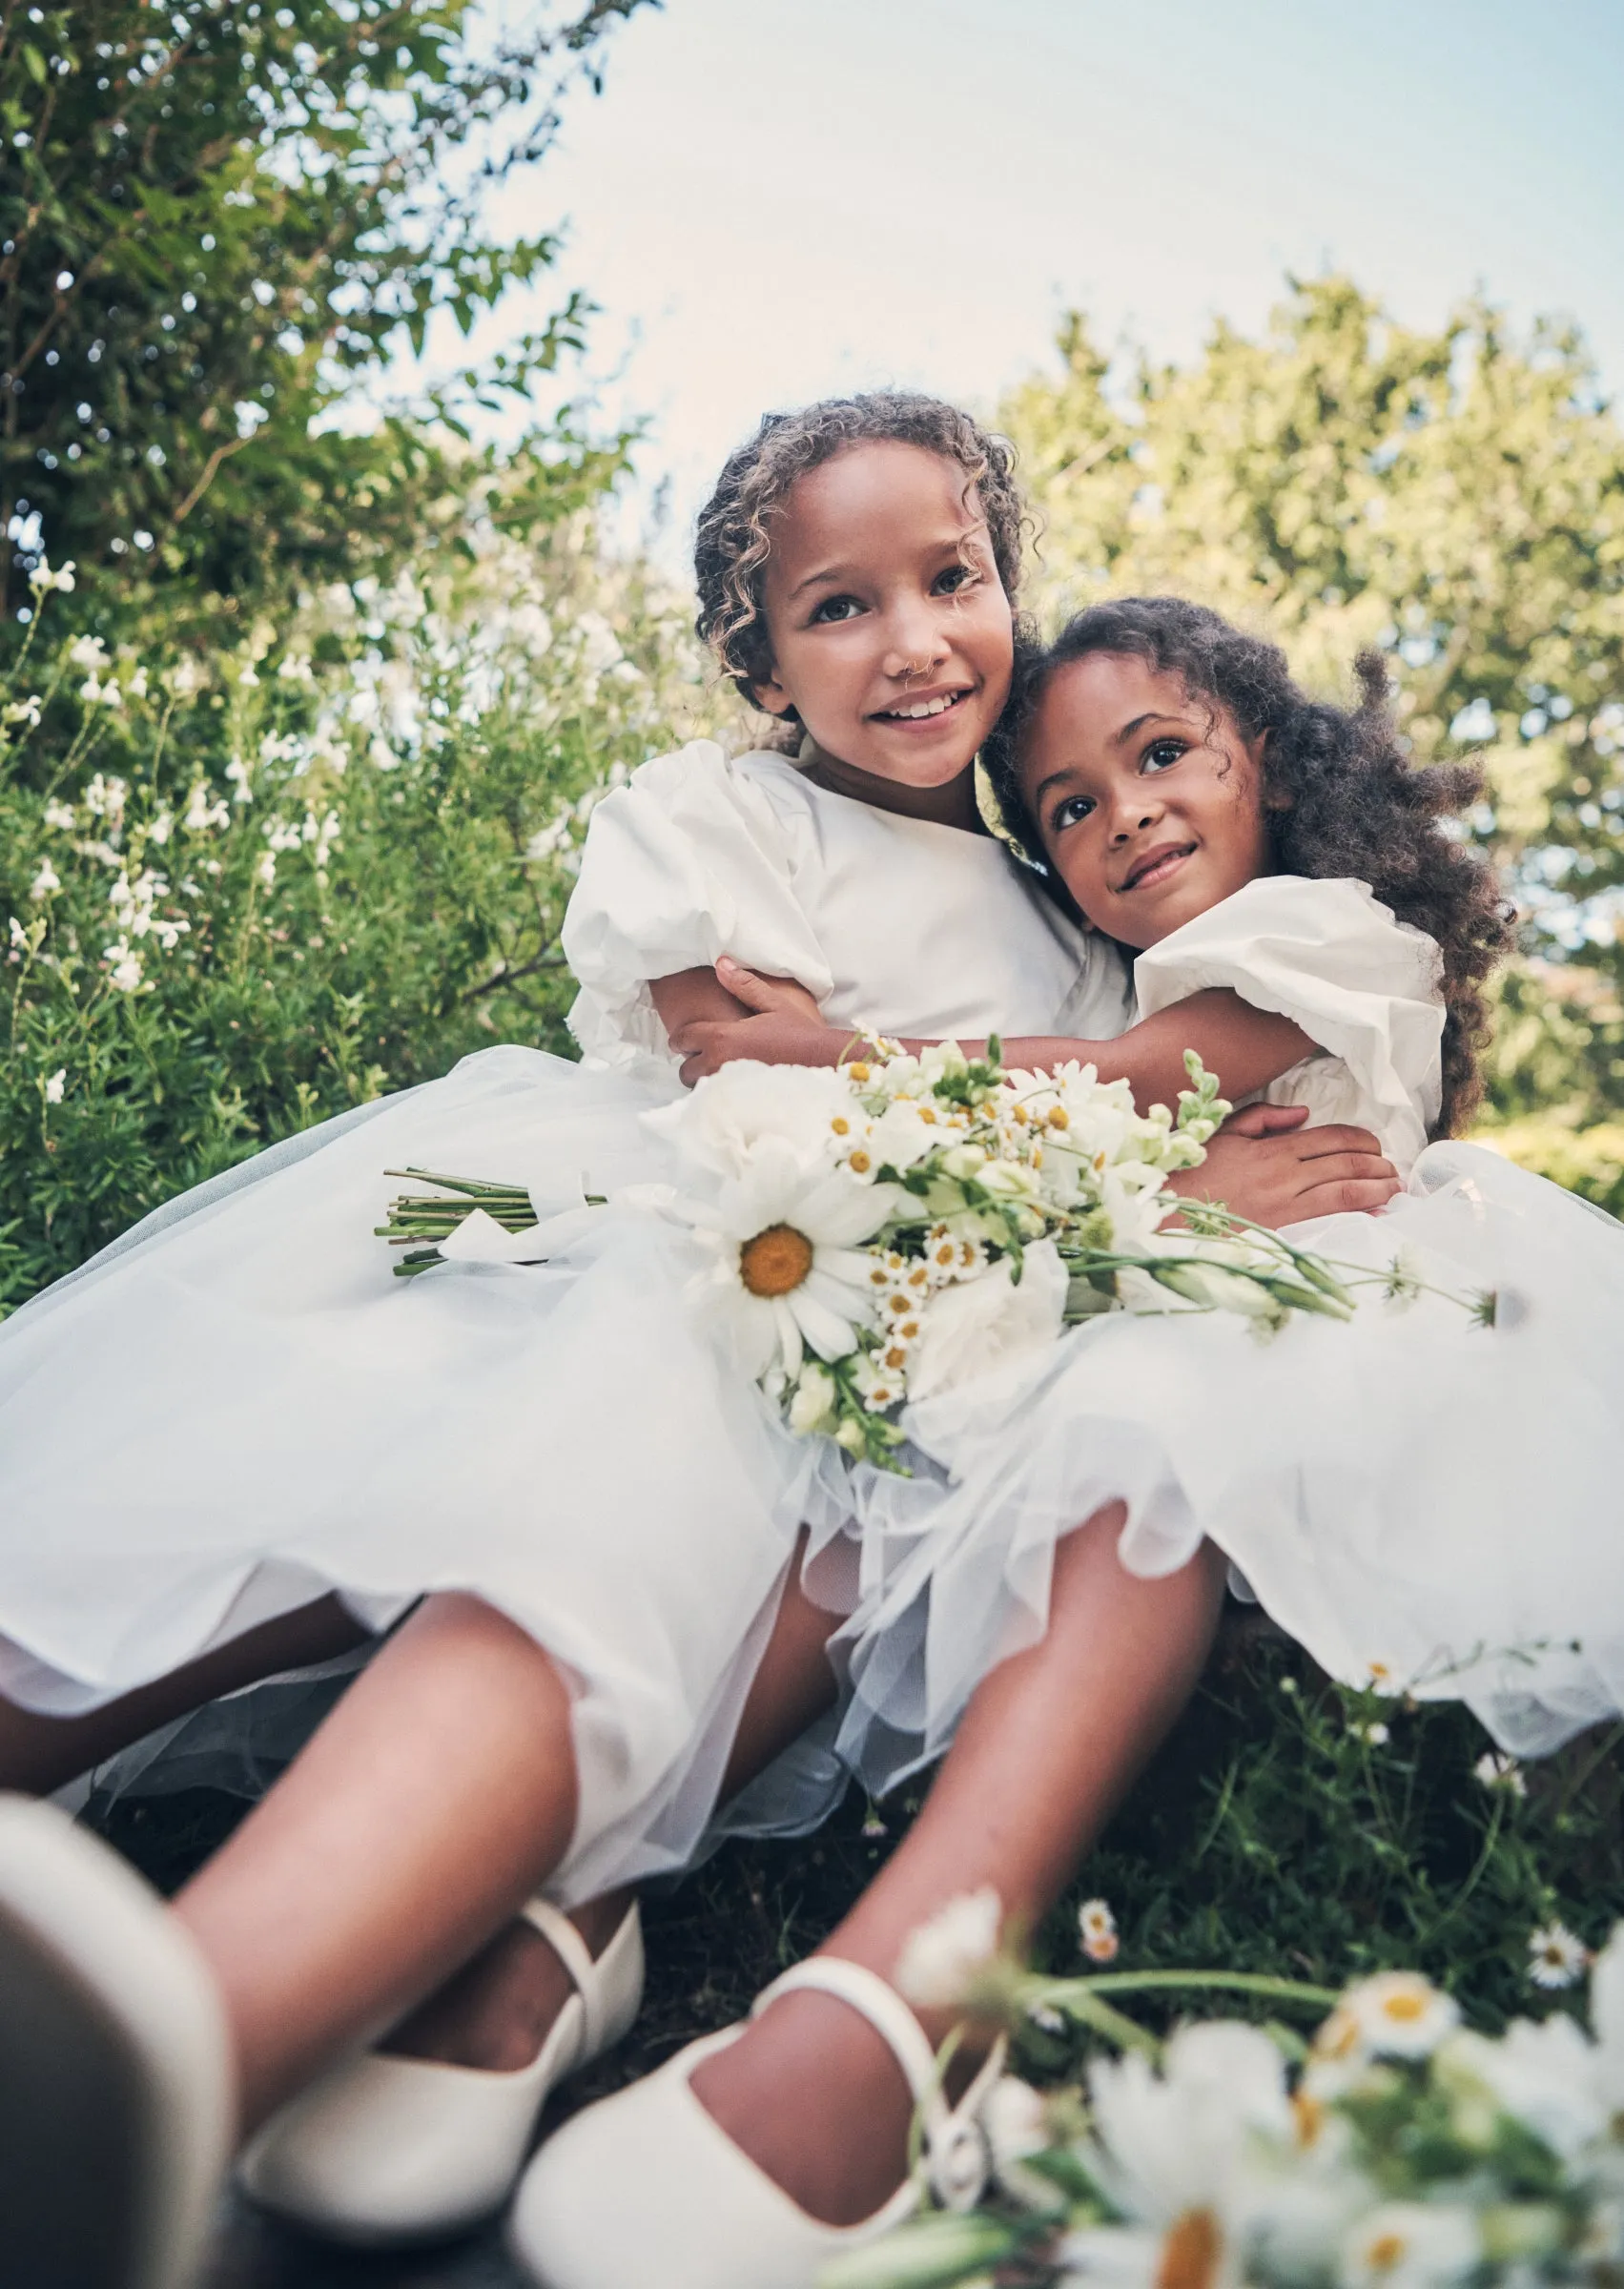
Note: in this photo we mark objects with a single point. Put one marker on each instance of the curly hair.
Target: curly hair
(734, 538)
(1341, 797)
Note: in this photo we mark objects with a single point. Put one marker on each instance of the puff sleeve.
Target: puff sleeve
(689, 860)
(1364, 985)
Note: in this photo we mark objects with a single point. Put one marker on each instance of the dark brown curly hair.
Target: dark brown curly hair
(734, 538)
(1342, 799)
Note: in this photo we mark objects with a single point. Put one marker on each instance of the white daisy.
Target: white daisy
(787, 1273)
(1097, 1929)
(1556, 1956)
(1496, 1771)
(940, 1962)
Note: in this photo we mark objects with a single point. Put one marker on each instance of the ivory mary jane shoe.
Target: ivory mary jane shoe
(115, 2098)
(383, 2150)
(646, 2187)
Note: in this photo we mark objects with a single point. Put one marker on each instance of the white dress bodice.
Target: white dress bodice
(891, 922)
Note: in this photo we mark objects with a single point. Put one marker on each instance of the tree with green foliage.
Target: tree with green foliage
(216, 220)
(1453, 499)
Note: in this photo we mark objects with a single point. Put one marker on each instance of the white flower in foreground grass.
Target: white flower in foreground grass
(1496, 1771)
(42, 579)
(1097, 1930)
(1542, 2072)
(1373, 1736)
(89, 654)
(57, 1086)
(1400, 2015)
(1174, 2149)
(787, 1275)
(1556, 1956)
(1411, 2245)
(980, 1325)
(28, 712)
(45, 881)
(940, 1962)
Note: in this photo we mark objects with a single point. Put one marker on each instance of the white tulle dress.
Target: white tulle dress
(1424, 1502)
(236, 1407)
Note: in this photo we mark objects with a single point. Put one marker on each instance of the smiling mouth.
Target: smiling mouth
(921, 711)
(1156, 866)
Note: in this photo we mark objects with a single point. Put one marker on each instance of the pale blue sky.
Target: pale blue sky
(777, 198)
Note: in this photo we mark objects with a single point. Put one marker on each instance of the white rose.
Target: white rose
(720, 1124)
(980, 1325)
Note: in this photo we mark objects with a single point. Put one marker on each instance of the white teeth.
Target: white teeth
(925, 707)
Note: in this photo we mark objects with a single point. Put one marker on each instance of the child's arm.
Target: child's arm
(694, 1003)
(1246, 1048)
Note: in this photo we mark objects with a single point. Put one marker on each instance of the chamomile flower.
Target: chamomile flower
(1556, 1956)
(941, 1962)
(1496, 1771)
(1097, 1930)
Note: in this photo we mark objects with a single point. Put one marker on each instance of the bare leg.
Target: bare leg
(1050, 1743)
(433, 1801)
(38, 1754)
(497, 2010)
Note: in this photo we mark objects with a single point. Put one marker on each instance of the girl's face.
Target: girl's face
(890, 628)
(1148, 799)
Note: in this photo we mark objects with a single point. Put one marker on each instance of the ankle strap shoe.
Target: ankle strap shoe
(646, 2186)
(381, 2151)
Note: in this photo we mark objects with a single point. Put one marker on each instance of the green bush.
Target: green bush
(244, 892)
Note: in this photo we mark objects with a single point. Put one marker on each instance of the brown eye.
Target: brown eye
(1161, 754)
(1070, 813)
(833, 609)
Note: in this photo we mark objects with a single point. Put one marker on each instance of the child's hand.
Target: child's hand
(1265, 1164)
(785, 1027)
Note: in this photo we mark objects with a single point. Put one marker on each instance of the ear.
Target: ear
(1274, 798)
(771, 697)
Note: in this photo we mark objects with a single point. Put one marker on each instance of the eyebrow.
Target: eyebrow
(1068, 770)
(949, 544)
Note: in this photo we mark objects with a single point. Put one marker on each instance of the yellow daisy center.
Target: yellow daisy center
(1189, 2253)
(776, 1261)
(1385, 2252)
(1406, 2006)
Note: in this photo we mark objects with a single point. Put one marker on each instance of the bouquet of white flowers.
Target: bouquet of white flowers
(1396, 2150)
(880, 1232)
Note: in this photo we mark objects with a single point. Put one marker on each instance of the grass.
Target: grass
(1271, 1834)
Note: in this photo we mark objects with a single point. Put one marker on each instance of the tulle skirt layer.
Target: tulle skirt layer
(238, 1408)
(1422, 1501)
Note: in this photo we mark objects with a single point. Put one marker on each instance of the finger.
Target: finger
(1337, 1136)
(1349, 1168)
(1265, 1120)
(1353, 1197)
(693, 1069)
(763, 994)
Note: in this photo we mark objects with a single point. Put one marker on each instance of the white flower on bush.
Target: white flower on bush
(240, 776)
(941, 1962)
(45, 881)
(786, 1271)
(57, 1087)
(1411, 2245)
(42, 579)
(89, 654)
(185, 678)
(202, 813)
(26, 712)
(981, 1326)
(124, 966)
(105, 799)
(265, 870)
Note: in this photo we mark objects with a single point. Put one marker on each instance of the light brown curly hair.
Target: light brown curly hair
(734, 540)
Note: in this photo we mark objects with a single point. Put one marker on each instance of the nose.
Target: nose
(916, 641)
(1131, 817)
